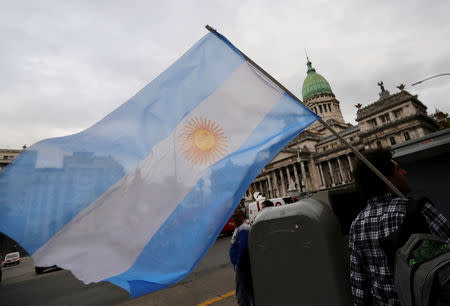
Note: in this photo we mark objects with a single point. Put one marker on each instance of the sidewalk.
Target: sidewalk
(207, 289)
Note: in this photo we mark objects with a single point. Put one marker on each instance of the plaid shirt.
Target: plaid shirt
(371, 278)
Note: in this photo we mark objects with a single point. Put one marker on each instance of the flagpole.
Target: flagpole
(361, 157)
(353, 149)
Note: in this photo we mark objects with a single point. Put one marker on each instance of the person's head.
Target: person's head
(369, 183)
(238, 216)
(267, 203)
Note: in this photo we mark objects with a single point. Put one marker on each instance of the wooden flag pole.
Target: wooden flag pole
(361, 157)
(353, 149)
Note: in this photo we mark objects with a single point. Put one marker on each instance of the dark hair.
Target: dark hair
(366, 180)
(267, 203)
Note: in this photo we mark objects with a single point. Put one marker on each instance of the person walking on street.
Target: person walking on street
(240, 258)
(371, 274)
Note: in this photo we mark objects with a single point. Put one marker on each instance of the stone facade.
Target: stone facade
(7, 156)
(316, 160)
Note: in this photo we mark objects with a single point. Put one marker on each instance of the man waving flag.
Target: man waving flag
(138, 198)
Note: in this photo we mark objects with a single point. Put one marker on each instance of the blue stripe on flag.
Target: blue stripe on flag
(75, 170)
(193, 227)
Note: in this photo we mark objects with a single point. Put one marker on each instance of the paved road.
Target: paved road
(211, 279)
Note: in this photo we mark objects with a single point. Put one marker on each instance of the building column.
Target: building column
(350, 162)
(344, 178)
(314, 177)
(275, 181)
(283, 186)
(303, 177)
(270, 186)
(333, 183)
(299, 186)
(322, 177)
(288, 173)
(346, 169)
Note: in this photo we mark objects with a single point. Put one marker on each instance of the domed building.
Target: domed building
(319, 97)
(316, 160)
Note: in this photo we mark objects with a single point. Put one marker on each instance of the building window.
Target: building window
(329, 107)
(351, 139)
(372, 122)
(392, 140)
(315, 109)
(406, 134)
(384, 118)
(320, 108)
(5, 157)
(379, 144)
(398, 113)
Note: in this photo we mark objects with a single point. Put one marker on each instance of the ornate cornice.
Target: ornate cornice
(380, 105)
(337, 149)
(10, 151)
(418, 117)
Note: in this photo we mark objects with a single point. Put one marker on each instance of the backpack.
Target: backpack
(420, 260)
(422, 271)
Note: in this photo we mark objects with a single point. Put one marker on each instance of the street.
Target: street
(211, 283)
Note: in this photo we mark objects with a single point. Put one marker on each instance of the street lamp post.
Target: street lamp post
(442, 124)
(431, 77)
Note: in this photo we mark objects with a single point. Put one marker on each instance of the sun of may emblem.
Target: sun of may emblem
(202, 141)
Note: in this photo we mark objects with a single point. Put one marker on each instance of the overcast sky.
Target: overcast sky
(67, 64)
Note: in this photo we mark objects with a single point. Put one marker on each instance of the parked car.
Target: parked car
(11, 258)
(40, 270)
(229, 227)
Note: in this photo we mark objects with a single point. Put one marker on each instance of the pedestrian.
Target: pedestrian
(267, 203)
(371, 275)
(240, 258)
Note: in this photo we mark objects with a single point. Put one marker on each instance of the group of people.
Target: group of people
(371, 273)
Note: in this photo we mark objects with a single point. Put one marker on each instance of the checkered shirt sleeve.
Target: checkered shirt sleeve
(359, 280)
(371, 278)
(436, 222)
(366, 254)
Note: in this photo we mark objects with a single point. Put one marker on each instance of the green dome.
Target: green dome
(314, 84)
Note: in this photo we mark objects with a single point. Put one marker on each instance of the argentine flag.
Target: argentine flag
(138, 198)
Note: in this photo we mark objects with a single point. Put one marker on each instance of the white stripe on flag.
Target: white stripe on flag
(106, 238)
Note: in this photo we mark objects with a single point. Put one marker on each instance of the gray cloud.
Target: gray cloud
(68, 64)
